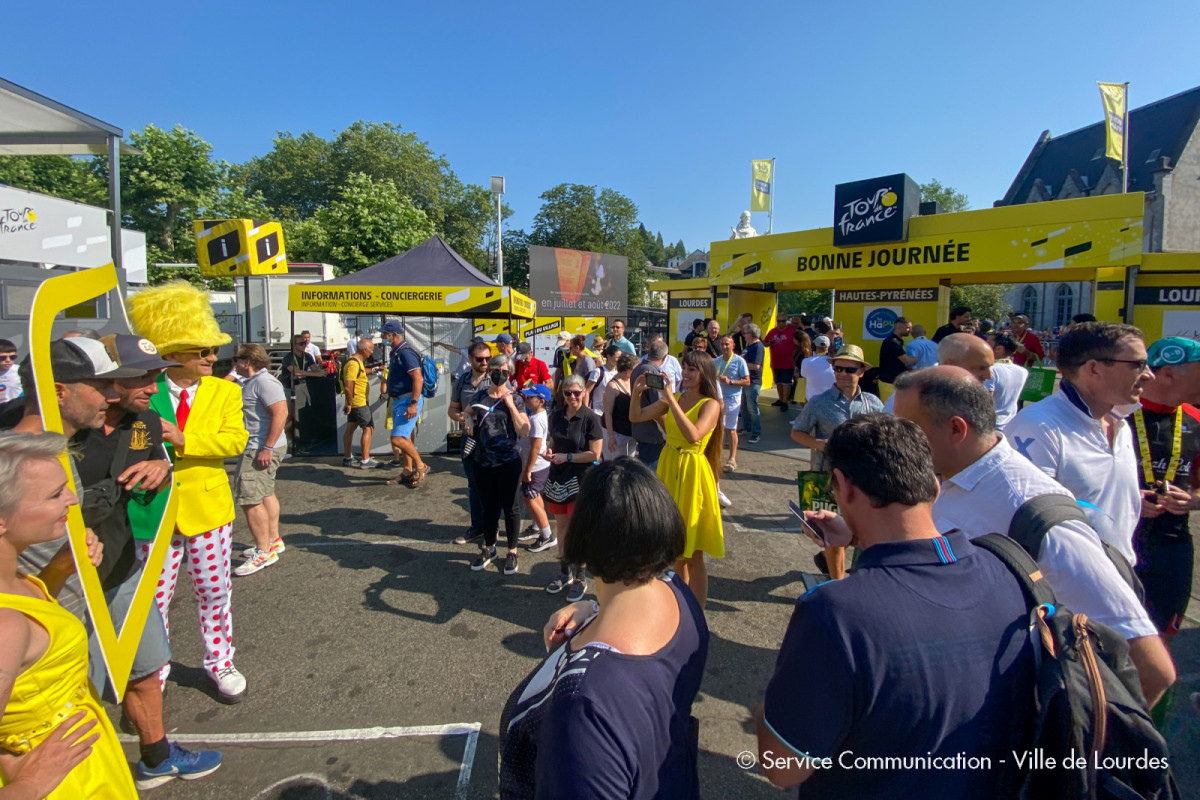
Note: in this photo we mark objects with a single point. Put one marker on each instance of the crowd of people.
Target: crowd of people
(617, 461)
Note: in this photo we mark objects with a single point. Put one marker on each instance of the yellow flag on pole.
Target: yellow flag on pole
(1113, 97)
(760, 189)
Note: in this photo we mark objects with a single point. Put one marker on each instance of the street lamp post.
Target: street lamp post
(498, 190)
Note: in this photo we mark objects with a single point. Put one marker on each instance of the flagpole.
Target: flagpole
(1125, 144)
(771, 202)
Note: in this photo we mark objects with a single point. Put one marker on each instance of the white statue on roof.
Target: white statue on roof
(744, 229)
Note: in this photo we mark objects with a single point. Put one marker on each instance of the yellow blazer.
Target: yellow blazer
(215, 431)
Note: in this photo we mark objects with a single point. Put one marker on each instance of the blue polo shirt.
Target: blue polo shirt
(918, 653)
(403, 360)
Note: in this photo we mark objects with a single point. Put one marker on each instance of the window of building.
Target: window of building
(1064, 305)
(1029, 303)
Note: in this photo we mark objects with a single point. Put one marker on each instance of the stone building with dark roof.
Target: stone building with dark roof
(1164, 162)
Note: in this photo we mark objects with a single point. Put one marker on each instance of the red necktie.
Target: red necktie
(182, 410)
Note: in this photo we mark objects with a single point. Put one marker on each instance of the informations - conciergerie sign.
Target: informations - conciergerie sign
(569, 282)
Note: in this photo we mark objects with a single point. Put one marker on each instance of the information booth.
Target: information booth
(431, 282)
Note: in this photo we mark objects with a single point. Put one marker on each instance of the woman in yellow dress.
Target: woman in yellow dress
(55, 739)
(691, 459)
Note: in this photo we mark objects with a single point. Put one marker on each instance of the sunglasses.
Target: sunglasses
(483, 359)
(8, 356)
(204, 352)
(848, 370)
(575, 393)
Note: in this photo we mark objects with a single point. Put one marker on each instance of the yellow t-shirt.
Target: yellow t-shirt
(354, 376)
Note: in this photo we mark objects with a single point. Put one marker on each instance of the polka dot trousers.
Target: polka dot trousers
(208, 563)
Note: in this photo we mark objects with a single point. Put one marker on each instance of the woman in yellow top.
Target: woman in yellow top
(691, 459)
(55, 739)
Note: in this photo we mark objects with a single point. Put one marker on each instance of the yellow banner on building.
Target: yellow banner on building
(1113, 95)
(450, 301)
(762, 173)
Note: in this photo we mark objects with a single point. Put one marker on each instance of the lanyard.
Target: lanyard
(724, 368)
(1144, 446)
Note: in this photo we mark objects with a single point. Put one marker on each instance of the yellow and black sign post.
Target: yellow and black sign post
(239, 247)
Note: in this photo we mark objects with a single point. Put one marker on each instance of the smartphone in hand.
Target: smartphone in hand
(809, 526)
(655, 381)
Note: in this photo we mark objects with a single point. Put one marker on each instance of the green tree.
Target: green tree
(174, 182)
(951, 199)
(303, 174)
(574, 216)
(986, 300)
(369, 221)
(816, 302)
(516, 259)
(58, 176)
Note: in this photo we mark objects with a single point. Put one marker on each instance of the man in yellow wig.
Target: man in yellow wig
(202, 424)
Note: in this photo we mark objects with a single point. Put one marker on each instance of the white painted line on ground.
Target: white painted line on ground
(344, 735)
(399, 540)
(468, 729)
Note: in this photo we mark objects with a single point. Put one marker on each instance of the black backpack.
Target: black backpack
(1089, 713)
(1038, 515)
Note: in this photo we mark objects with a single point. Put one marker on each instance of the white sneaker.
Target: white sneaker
(231, 684)
(277, 548)
(255, 563)
(370, 463)
(723, 500)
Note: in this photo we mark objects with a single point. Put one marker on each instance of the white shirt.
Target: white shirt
(1069, 445)
(672, 367)
(313, 351)
(597, 398)
(538, 426)
(10, 385)
(174, 390)
(351, 346)
(818, 376)
(985, 496)
(1006, 384)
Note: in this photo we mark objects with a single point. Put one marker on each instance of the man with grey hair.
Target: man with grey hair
(649, 435)
(984, 484)
(1079, 435)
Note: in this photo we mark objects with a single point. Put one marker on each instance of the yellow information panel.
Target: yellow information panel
(118, 649)
(466, 301)
(684, 307)
(239, 247)
(869, 315)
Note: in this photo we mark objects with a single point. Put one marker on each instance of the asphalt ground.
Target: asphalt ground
(378, 663)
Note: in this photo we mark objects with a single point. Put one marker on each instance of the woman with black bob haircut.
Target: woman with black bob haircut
(608, 712)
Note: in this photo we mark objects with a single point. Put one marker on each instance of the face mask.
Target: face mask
(498, 378)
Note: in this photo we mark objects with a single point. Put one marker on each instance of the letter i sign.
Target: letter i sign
(53, 296)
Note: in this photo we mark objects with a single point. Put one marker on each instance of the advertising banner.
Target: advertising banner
(686, 306)
(1113, 97)
(578, 282)
(760, 188)
(464, 301)
(874, 210)
(878, 321)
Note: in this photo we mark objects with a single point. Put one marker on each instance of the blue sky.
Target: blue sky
(666, 102)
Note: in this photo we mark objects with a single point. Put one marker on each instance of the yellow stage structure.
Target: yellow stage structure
(1096, 239)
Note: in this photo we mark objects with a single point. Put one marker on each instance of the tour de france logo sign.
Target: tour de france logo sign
(875, 210)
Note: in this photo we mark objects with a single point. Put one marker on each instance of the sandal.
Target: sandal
(417, 475)
(731, 466)
(405, 479)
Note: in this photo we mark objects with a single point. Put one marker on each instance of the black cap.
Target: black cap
(79, 359)
(134, 352)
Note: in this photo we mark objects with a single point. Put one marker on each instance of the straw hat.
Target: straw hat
(850, 352)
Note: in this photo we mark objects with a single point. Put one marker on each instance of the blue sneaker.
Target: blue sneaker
(179, 764)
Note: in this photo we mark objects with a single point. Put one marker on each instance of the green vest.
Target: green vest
(145, 519)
